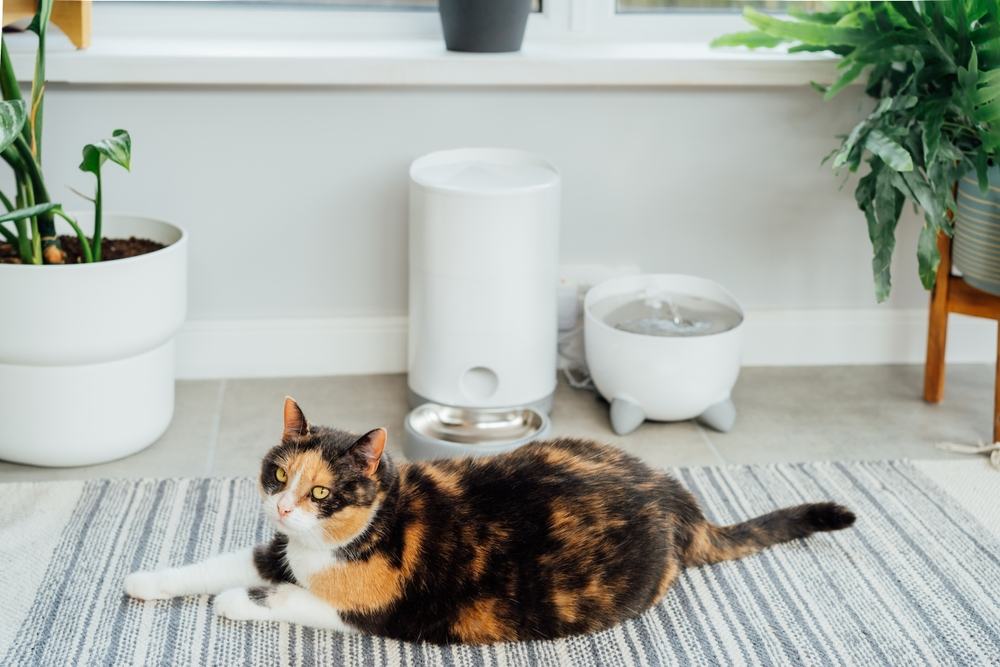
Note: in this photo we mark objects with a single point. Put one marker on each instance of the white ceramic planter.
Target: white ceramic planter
(86, 350)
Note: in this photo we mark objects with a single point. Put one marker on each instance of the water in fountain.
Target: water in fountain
(658, 313)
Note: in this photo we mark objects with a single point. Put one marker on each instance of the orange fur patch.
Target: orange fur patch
(599, 593)
(670, 573)
(373, 584)
(413, 542)
(359, 585)
(312, 471)
(573, 462)
(703, 550)
(566, 606)
(446, 481)
(480, 623)
(346, 524)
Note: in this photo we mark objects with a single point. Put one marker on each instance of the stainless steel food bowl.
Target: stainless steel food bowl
(439, 431)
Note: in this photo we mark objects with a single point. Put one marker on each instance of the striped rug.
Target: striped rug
(917, 581)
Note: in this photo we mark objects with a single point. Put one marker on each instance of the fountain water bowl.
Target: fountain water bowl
(664, 347)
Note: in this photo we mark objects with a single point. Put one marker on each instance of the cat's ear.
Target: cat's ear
(295, 422)
(367, 451)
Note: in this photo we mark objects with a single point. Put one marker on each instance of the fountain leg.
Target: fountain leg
(626, 416)
(719, 417)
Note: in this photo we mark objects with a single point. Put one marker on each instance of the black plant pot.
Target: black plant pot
(484, 26)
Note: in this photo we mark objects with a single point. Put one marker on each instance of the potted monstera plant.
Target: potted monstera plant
(933, 70)
(91, 302)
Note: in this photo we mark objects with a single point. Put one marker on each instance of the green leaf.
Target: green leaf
(932, 135)
(972, 71)
(989, 112)
(982, 170)
(849, 75)
(851, 19)
(949, 151)
(864, 193)
(40, 21)
(39, 25)
(819, 87)
(882, 232)
(913, 185)
(817, 34)
(928, 256)
(754, 39)
(92, 200)
(28, 212)
(8, 79)
(893, 154)
(886, 196)
(12, 117)
(828, 18)
(118, 149)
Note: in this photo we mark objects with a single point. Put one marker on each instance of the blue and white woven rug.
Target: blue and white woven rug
(916, 582)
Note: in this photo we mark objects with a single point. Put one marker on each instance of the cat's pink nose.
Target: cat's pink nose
(282, 512)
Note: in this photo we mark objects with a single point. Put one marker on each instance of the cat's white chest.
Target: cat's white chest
(306, 561)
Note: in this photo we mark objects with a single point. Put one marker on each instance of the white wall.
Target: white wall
(296, 198)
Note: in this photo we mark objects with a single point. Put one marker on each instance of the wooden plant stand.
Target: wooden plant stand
(73, 17)
(951, 294)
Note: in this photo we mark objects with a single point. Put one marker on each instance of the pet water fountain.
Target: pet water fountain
(664, 347)
(484, 244)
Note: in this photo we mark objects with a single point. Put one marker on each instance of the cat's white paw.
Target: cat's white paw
(235, 604)
(147, 586)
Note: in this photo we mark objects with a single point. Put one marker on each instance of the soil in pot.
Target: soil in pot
(110, 249)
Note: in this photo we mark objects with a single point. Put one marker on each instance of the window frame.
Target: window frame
(558, 21)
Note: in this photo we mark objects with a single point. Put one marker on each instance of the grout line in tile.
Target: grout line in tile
(213, 439)
(711, 445)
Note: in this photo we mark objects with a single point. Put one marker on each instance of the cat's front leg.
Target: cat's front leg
(255, 566)
(282, 602)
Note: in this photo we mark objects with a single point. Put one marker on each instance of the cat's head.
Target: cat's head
(323, 486)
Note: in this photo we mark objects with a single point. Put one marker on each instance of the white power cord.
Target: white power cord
(982, 448)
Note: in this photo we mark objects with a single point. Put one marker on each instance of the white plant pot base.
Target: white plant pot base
(87, 363)
(81, 415)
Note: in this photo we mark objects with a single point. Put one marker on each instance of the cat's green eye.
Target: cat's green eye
(320, 492)
(281, 475)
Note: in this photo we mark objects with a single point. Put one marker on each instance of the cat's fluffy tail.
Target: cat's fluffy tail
(711, 543)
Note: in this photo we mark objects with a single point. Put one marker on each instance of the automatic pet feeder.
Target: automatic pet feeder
(484, 243)
(664, 347)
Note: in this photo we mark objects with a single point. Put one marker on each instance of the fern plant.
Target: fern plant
(29, 221)
(934, 70)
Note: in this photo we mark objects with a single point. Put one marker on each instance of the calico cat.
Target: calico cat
(553, 539)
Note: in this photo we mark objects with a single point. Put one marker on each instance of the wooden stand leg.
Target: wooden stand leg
(937, 328)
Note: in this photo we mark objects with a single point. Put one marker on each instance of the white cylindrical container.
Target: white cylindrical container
(484, 244)
(87, 353)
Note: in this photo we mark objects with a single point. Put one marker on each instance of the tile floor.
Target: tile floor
(222, 427)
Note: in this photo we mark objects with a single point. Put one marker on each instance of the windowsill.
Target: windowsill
(415, 62)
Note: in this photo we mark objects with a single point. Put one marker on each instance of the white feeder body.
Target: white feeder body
(484, 243)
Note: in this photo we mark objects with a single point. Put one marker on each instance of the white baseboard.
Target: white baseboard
(288, 347)
(359, 345)
(860, 336)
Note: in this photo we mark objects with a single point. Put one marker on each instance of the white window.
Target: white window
(649, 6)
(612, 20)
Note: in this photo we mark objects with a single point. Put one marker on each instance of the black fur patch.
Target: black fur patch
(259, 594)
(269, 559)
(829, 516)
